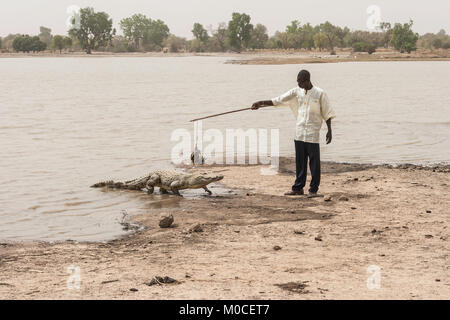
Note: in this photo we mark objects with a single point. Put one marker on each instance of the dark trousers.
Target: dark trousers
(303, 151)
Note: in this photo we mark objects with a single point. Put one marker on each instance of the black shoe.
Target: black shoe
(295, 193)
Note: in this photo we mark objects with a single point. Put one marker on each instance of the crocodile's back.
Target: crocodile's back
(169, 176)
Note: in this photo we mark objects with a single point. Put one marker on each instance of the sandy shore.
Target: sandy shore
(392, 218)
(98, 54)
(346, 55)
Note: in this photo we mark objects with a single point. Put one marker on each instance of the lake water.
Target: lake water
(66, 123)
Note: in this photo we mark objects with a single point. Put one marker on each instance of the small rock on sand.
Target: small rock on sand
(327, 198)
(161, 280)
(343, 198)
(195, 228)
(165, 220)
(276, 248)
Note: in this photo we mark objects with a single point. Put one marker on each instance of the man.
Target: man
(310, 106)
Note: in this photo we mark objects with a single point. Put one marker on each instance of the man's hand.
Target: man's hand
(256, 105)
(329, 136)
(260, 104)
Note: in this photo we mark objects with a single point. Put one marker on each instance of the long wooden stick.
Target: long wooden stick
(221, 114)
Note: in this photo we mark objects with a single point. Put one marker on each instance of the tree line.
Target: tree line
(94, 31)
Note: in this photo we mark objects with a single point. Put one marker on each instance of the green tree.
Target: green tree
(68, 42)
(219, 38)
(342, 34)
(61, 42)
(58, 43)
(280, 40)
(143, 31)
(332, 33)
(320, 41)
(19, 44)
(294, 35)
(308, 36)
(37, 45)
(239, 30)
(259, 37)
(45, 35)
(403, 38)
(200, 33)
(386, 29)
(135, 28)
(8, 41)
(294, 27)
(95, 29)
(25, 43)
(156, 34)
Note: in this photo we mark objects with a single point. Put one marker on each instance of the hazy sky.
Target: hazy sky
(25, 16)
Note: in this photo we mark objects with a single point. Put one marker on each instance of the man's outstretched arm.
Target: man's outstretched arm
(281, 100)
(262, 103)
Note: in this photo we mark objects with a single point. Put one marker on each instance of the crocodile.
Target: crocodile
(166, 180)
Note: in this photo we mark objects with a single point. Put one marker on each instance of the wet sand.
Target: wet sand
(256, 243)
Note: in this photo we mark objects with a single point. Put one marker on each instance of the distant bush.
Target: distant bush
(364, 47)
(434, 41)
(175, 44)
(196, 45)
(25, 43)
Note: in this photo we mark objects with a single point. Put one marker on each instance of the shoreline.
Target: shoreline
(377, 215)
(263, 57)
(286, 166)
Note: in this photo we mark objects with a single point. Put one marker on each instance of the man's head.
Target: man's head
(304, 79)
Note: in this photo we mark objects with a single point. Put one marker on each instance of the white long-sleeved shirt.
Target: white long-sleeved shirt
(310, 109)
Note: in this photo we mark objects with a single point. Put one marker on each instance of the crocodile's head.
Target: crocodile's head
(204, 179)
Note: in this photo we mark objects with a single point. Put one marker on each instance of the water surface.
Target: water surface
(66, 123)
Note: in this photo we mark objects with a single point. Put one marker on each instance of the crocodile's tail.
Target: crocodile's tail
(135, 184)
(110, 184)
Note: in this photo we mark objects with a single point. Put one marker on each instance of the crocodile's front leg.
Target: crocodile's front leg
(174, 186)
(150, 189)
(150, 185)
(207, 190)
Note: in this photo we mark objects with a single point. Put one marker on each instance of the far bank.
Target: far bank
(264, 57)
